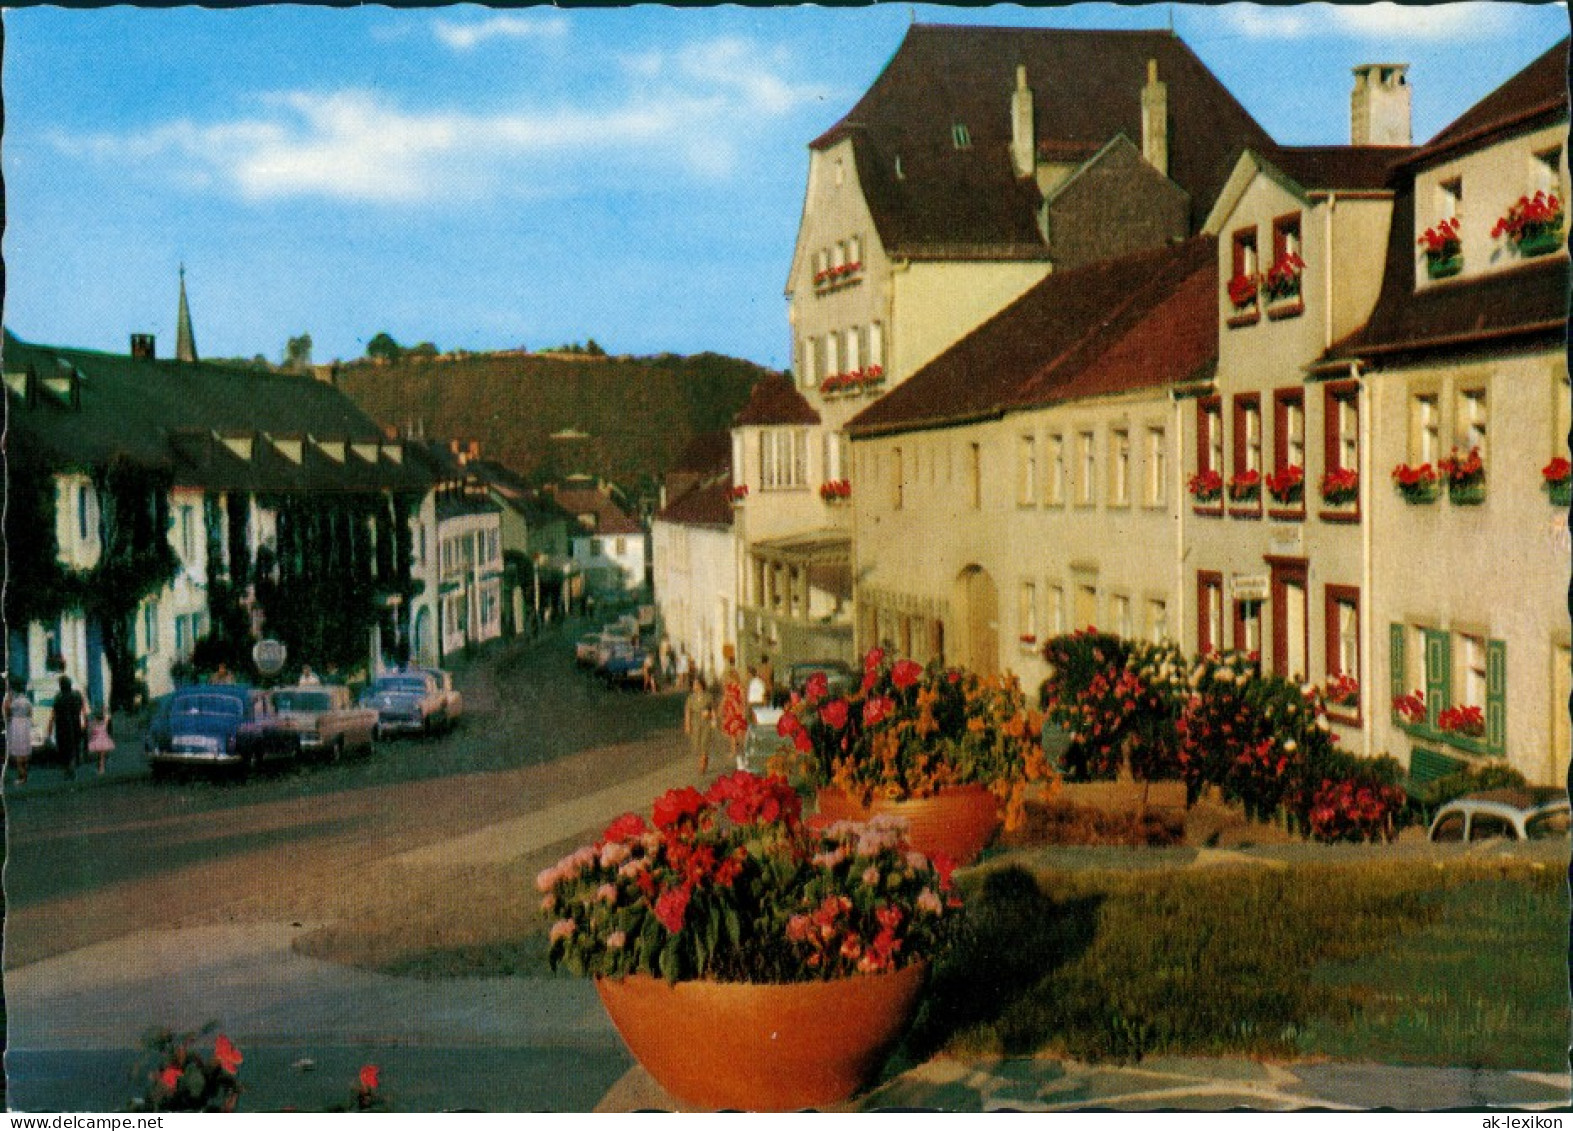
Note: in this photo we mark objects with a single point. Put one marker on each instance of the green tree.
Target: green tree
(424, 349)
(384, 348)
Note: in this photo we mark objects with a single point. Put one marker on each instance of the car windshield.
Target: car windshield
(402, 686)
(221, 705)
(302, 701)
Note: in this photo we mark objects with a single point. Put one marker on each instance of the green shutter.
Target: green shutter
(1395, 657)
(1496, 695)
(1439, 674)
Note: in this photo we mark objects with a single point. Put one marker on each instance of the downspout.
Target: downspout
(1176, 487)
(1327, 271)
(1368, 605)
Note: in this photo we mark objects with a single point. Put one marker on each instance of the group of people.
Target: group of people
(75, 729)
(727, 709)
(666, 667)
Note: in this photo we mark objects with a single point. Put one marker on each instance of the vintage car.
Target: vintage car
(623, 666)
(324, 720)
(452, 698)
(406, 702)
(1525, 813)
(216, 726)
(586, 649)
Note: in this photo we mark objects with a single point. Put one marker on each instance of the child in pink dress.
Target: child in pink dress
(98, 740)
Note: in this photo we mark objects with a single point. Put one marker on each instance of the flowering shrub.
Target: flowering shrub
(1442, 241)
(1531, 217)
(732, 886)
(1341, 486)
(834, 490)
(367, 1093)
(1246, 487)
(738, 493)
(1463, 471)
(1557, 473)
(1356, 809)
(1410, 708)
(1242, 290)
(909, 731)
(1415, 484)
(1206, 486)
(185, 1080)
(1287, 484)
(1283, 277)
(1467, 721)
(1119, 699)
(1343, 690)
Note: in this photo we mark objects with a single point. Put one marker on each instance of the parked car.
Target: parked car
(612, 638)
(586, 650)
(407, 702)
(324, 719)
(837, 674)
(452, 698)
(623, 666)
(761, 743)
(1516, 814)
(216, 726)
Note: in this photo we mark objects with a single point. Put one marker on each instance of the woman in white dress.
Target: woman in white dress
(18, 728)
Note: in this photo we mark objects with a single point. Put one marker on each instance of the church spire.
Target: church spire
(185, 340)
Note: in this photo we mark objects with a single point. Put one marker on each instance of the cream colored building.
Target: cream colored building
(1468, 593)
(695, 574)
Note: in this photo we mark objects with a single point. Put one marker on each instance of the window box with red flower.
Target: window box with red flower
(1243, 289)
(1410, 709)
(836, 490)
(1028, 640)
(1533, 225)
(874, 376)
(1443, 249)
(1282, 286)
(1206, 487)
(1341, 487)
(737, 493)
(1287, 485)
(1465, 722)
(1558, 481)
(1466, 478)
(1343, 690)
(1417, 484)
(1246, 487)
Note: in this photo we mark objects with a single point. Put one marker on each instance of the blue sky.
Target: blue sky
(487, 178)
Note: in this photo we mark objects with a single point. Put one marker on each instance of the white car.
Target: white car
(1514, 814)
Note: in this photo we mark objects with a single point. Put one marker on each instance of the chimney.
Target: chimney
(1023, 128)
(1379, 105)
(1155, 120)
(142, 347)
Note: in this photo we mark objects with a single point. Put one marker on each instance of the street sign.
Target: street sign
(269, 656)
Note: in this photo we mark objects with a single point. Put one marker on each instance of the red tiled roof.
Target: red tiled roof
(609, 517)
(1140, 321)
(1527, 304)
(775, 400)
(706, 505)
(1536, 96)
(1086, 89)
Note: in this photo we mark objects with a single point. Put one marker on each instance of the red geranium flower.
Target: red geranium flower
(817, 687)
(169, 1077)
(906, 673)
(368, 1077)
(834, 714)
(626, 827)
(676, 806)
(875, 657)
(671, 908)
(226, 1055)
(876, 709)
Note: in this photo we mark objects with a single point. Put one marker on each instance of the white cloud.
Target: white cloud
(466, 35)
(1383, 20)
(697, 109)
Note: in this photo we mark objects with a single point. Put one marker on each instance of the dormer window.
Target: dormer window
(960, 136)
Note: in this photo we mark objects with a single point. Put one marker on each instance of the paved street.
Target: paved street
(134, 905)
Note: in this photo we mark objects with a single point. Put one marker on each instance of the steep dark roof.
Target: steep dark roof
(705, 505)
(775, 400)
(1139, 321)
(609, 517)
(1536, 96)
(1086, 89)
(166, 414)
(1527, 304)
(1341, 166)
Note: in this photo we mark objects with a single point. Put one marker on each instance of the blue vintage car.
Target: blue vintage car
(216, 726)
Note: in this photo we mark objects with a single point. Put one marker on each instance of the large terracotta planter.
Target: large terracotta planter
(958, 821)
(715, 1045)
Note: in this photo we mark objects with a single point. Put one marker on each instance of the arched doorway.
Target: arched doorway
(975, 607)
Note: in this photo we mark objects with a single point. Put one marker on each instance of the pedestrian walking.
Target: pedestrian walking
(698, 722)
(668, 664)
(99, 741)
(68, 725)
(758, 695)
(734, 714)
(18, 728)
(648, 668)
(682, 667)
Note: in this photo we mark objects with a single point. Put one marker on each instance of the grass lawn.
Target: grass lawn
(1461, 963)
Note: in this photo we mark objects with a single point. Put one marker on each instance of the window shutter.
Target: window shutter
(1439, 675)
(1496, 695)
(1395, 653)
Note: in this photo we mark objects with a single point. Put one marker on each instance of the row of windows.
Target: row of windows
(1069, 609)
(855, 349)
(841, 256)
(1247, 451)
(466, 551)
(1543, 174)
